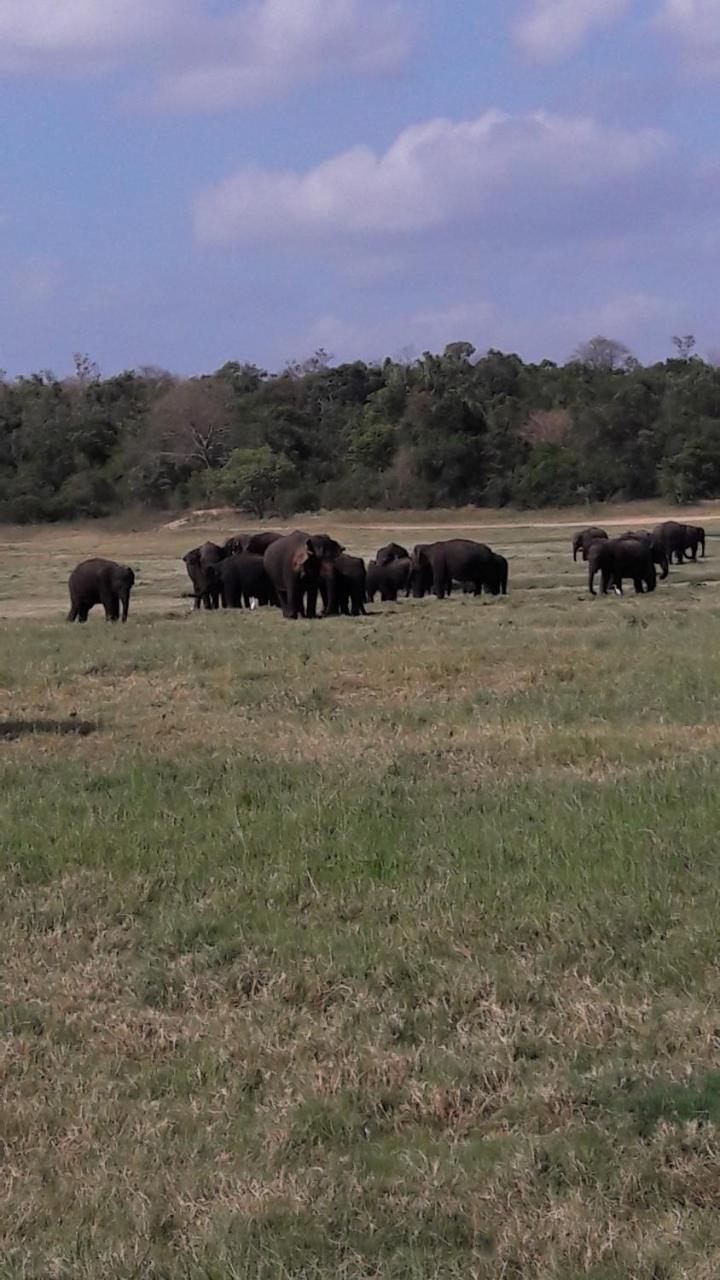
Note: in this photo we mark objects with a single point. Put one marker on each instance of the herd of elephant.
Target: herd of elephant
(292, 570)
(637, 553)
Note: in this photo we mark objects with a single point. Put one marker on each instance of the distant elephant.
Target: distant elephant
(294, 563)
(259, 542)
(200, 563)
(342, 585)
(393, 551)
(695, 539)
(679, 538)
(618, 558)
(242, 578)
(388, 579)
(582, 539)
(456, 559)
(102, 582)
(657, 549)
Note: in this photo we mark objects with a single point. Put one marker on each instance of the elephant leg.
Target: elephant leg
(294, 600)
(73, 613)
(83, 613)
(638, 585)
(110, 604)
(311, 601)
(125, 601)
(284, 596)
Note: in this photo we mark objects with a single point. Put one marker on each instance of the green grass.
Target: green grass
(375, 948)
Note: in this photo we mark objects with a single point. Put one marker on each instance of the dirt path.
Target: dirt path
(626, 523)
(199, 519)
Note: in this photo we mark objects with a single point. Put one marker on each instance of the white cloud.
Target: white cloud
(554, 28)
(268, 48)
(53, 34)
(193, 57)
(694, 28)
(436, 174)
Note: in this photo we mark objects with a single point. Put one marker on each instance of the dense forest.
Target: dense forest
(441, 430)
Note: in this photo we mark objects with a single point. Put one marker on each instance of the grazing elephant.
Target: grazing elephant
(458, 559)
(657, 549)
(200, 564)
(388, 579)
(393, 551)
(678, 539)
(293, 564)
(259, 543)
(242, 578)
(496, 580)
(618, 558)
(583, 538)
(342, 586)
(100, 582)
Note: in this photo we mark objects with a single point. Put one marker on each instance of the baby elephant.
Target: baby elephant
(100, 582)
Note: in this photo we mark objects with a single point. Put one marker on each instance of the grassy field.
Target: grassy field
(359, 948)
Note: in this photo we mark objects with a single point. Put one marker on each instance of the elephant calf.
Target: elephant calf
(242, 578)
(388, 579)
(102, 582)
(618, 558)
(343, 586)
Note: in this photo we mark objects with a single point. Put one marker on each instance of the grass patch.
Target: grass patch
(375, 948)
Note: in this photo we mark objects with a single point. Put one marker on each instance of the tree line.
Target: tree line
(441, 430)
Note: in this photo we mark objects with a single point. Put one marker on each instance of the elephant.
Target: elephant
(618, 558)
(496, 581)
(679, 538)
(458, 559)
(102, 582)
(388, 579)
(259, 542)
(235, 545)
(421, 570)
(657, 549)
(200, 563)
(393, 551)
(583, 538)
(695, 539)
(293, 564)
(242, 578)
(342, 585)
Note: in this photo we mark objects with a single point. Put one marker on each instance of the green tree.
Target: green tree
(252, 479)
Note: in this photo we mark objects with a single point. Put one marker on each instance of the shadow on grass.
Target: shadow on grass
(72, 726)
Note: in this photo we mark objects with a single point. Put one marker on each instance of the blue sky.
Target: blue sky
(192, 181)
